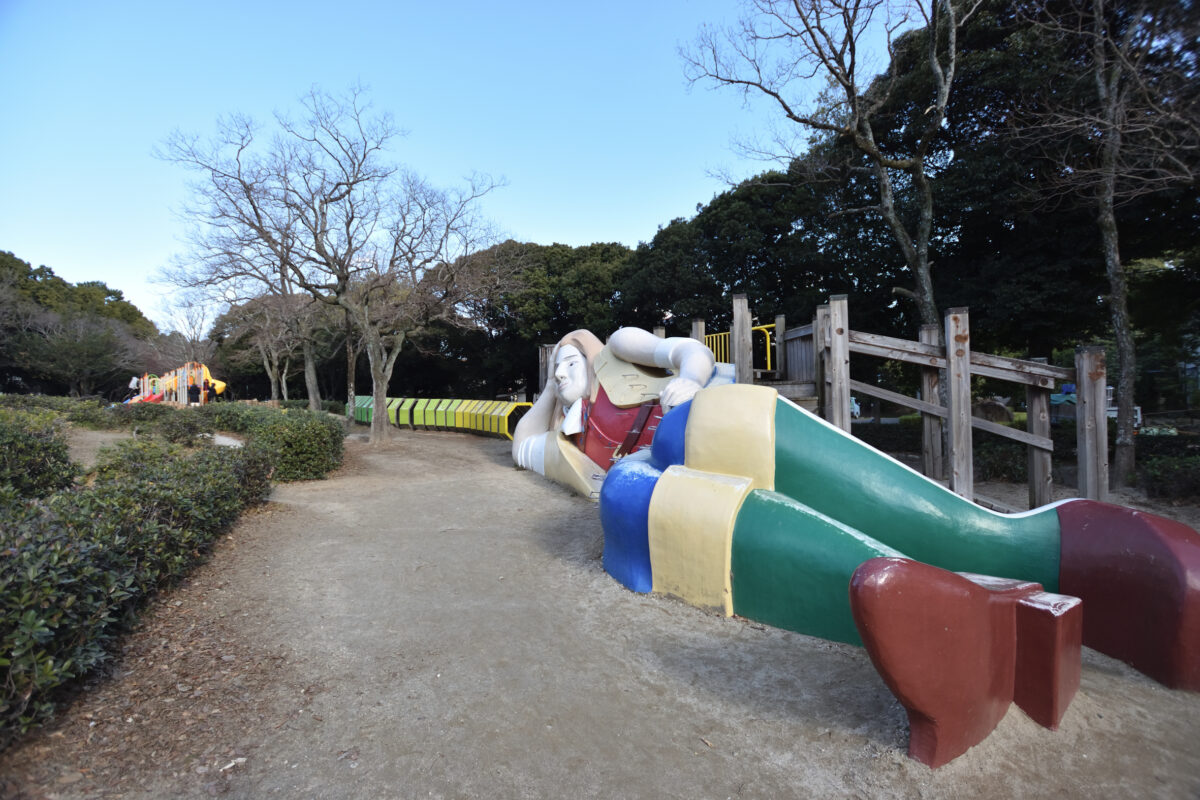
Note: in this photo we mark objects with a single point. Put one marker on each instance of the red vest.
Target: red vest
(606, 427)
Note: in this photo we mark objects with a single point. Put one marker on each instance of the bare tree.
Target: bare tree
(191, 316)
(264, 323)
(1127, 127)
(323, 211)
(809, 58)
(242, 238)
(427, 270)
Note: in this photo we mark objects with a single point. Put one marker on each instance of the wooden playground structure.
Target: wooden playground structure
(810, 365)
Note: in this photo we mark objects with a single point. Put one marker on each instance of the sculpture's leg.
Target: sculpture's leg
(955, 648)
(1139, 578)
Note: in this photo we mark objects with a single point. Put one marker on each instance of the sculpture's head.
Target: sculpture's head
(572, 373)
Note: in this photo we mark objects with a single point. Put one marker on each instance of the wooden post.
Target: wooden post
(1037, 407)
(1091, 422)
(660, 331)
(839, 362)
(932, 454)
(545, 352)
(698, 330)
(740, 349)
(958, 378)
(780, 348)
(821, 362)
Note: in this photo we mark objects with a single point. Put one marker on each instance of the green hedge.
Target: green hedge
(330, 406)
(77, 564)
(1173, 477)
(34, 459)
(304, 445)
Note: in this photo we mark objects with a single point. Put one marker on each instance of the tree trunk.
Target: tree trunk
(382, 362)
(283, 380)
(310, 377)
(1124, 454)
(272, 370)
(351, 366)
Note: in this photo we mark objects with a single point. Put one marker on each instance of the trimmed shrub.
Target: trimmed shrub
(998, 459)
(183, 426)
(58, 603)
(36, 402)
(1172, 477)
(305, 446)
(75, 568)
(34, 458)
(1181, 445)
(125, 416)
(330, 406)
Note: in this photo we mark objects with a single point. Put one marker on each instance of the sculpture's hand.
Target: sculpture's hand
(678, 391)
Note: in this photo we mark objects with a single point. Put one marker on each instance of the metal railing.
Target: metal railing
(719, 343)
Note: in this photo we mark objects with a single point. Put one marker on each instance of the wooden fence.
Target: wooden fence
(819, 353)
(832, 343)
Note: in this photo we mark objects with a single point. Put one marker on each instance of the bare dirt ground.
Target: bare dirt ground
(431, 622)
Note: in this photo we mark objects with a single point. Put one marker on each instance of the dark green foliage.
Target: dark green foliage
(1182, 444)
(42, 402)
(34, 459)
(305, 446)
(903, 437)
(75, 568)
(997, 459)
(1174, 477)
(183, 426)
(58, 606)
(136, 414)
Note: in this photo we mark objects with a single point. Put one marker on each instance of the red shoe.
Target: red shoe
(957, 649)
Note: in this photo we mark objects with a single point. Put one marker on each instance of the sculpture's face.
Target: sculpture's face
(570, 374)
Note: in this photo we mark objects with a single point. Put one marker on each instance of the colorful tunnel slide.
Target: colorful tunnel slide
(485, 417)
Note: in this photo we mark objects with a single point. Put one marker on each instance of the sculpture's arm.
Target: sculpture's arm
(530, 434)
(689, 359)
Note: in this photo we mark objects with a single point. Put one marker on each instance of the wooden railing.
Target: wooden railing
(834, 342)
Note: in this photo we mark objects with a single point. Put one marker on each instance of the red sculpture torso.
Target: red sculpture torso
(606, 427)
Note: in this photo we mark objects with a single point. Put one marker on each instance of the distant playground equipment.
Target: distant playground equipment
(733, 498)
(172, 387)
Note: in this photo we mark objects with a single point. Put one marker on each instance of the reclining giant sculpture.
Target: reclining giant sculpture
(735, 499)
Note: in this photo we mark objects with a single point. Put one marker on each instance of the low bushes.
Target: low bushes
(77, 562)
(77, 565)
(1173, 477)
(34, 459)
(332, 406)
(304, 446)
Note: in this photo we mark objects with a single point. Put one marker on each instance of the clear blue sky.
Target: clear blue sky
(581, 107)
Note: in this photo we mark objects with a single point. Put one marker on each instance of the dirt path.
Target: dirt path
(431, 622)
